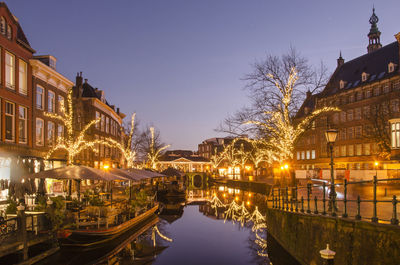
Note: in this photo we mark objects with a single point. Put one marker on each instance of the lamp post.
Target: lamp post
(376, 164)
(331, 135)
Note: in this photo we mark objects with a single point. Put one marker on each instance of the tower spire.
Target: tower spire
(374, 33)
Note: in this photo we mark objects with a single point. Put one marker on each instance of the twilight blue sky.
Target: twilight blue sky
(178, 63)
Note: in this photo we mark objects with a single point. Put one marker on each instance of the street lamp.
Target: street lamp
(376, 164)
(331, 135)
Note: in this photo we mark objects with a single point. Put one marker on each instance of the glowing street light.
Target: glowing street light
(331, 135)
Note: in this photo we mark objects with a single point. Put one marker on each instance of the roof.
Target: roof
(21, 38)
(173, 157)
(375, 64)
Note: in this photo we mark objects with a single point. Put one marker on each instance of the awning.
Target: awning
(77, 172)
(145, 174)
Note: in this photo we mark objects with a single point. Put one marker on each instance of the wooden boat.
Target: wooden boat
(96, 237)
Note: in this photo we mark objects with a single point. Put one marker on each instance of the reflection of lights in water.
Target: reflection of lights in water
(240, 213)
(153, 235)
(221, 188)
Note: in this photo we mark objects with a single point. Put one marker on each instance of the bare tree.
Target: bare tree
(151, 147)
(377, 128)
(264, 83)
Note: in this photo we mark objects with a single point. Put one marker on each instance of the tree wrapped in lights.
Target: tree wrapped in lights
(216, 203)
(278, 126)
(216, 158)
(152, 148)
(127, 149)
(230, 212)
(73, 143)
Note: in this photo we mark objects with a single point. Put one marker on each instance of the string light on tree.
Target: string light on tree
(72, 142)
(154, 153)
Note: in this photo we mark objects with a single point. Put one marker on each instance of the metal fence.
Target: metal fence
(288, 199)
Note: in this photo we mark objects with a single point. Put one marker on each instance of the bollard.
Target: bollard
(297, 206)
(316, 205)
(279, 198)
(374, 214)
(273, 199)
(308, 198)
(287, 198)
(22, 230)
(328, 255)
(394, 220)
(358, 216)
(345, 199)
(302, 204)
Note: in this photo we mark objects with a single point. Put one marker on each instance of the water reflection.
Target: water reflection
(218, 225)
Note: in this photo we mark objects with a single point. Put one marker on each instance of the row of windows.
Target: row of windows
(5, 29)
(306, 155)
(352, 150)
(376, 90)
(51, 100)
(11, 120)
(106, 124)
(51, 132)
(10, 71)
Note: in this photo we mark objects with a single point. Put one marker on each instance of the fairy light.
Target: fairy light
(154, 153)
(153, 235)
(282, 131)
(240, 214)
(72, 143)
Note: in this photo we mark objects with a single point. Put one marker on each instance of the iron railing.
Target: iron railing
(288, 199)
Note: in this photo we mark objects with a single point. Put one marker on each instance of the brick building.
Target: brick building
(367, 91)
(50, 90)
(90, 104)
(15, 92)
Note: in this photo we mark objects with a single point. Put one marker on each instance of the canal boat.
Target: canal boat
(97, 237)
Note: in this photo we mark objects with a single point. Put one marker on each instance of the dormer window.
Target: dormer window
(2, 26)
(391, 67)
(342, 84)
(364, 76)
(9, 32)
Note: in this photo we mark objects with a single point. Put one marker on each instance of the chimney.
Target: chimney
(118, 111)
(308, 94)
(86, 80)
(340, 60)
(78, 81)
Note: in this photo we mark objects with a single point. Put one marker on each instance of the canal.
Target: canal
(219, 225)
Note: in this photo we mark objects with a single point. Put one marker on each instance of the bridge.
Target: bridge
(360, 229)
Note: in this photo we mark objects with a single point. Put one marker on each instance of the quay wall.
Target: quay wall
(355, 242)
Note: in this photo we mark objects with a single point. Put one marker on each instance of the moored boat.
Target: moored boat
(97, 237)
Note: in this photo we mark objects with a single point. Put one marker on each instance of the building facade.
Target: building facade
(50, 90)
(15, 97)
(184, 160)
(90, 104)
(367, 92)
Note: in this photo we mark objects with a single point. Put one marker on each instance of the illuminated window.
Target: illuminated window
(10, 121)
(10, 70)
(22, 125)
(97, 118)
(395, 128)
(298, 155)
(350, 131)
(102, 122)
(39, 97)
(343, 150)
(312, 154)
(308, 154)
(358, 149)
(60, 130)
(23, 77)
(2, 26)
(350, 150)
(61, 102)
(39, 132)
(51, 101)
(391, 67)
(107, 124)
(50, 133)
(367, 149)
(303, 155)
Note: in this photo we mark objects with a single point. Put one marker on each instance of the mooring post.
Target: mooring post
(316, 205)
(345, 199)
(22, 230)
(374, 214)
(308, 198)
(358, 216)
(328, 255)
(394, 220)
(323, 198)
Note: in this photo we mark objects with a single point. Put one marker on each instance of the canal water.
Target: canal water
(214, 226)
